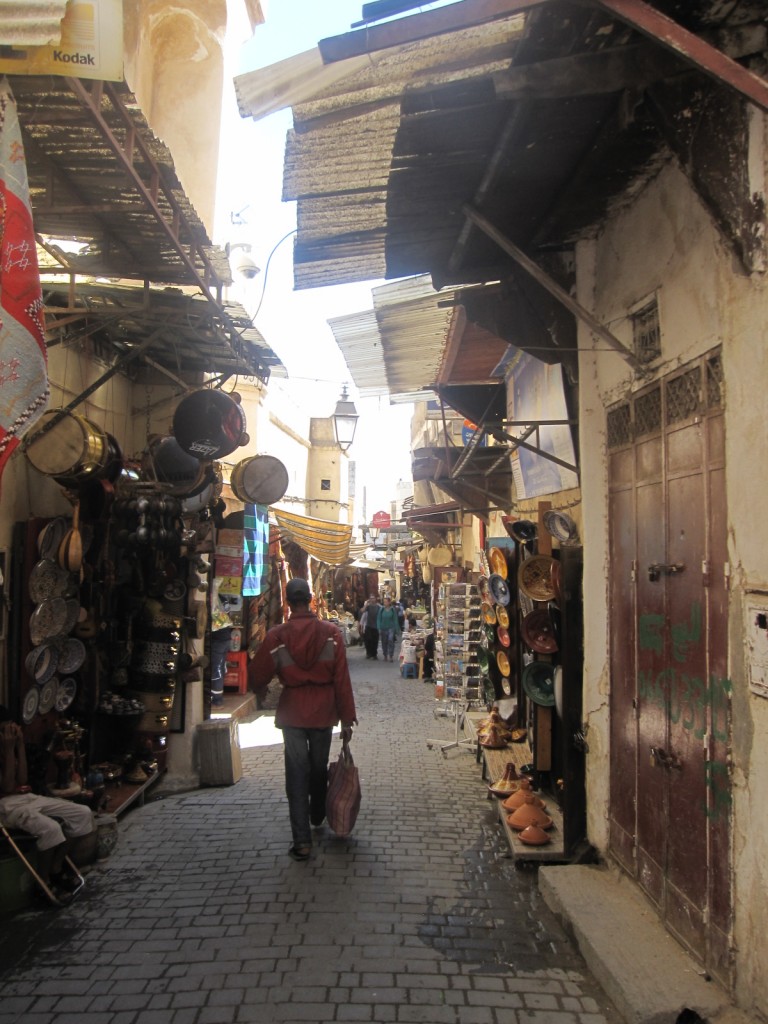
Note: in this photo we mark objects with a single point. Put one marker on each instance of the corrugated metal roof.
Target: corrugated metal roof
(99, 177)
(397, 348)
(31, 22)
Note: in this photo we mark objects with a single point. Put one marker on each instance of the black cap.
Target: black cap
(297, 591)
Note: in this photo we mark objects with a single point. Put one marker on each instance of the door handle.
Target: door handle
(655, 569)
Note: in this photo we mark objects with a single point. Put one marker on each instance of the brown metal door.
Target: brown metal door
(669, 692)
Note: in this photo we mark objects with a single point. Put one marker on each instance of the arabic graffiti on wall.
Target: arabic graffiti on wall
(697, 704)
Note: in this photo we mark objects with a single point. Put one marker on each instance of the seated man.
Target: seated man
(55, 823)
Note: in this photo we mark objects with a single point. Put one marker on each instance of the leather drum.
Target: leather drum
(166, 461)
(71, 451)
(261, 479)
(209, 424)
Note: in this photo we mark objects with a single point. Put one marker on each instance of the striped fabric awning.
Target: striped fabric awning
(327, 542)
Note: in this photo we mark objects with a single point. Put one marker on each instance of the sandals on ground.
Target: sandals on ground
(300, 852)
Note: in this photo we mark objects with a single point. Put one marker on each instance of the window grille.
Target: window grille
(715, 382)
(648, 412)
(619, 426)
(684, 397)
(646, 332)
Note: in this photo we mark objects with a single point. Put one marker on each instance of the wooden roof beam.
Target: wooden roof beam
(697, 51)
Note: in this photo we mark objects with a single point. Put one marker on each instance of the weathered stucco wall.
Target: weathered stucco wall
(174, 65)
(666, 244)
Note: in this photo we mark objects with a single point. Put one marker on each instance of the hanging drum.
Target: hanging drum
(166, 461)
(262, 480)
(209, 424)
(72, 450)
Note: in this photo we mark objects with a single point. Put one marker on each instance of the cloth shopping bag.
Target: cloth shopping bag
(342, 802)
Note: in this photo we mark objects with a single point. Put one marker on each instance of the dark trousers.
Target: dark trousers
(306, 778)
(371, 641)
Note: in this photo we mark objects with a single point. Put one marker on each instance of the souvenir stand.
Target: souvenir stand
(458, 685)
(110, 610)
(532, 614)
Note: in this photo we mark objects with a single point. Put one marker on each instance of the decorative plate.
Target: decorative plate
(558, 688)
(538, 631)
(503, 636)
(498, 562)
(41, 662)
(29, 707)
(534, 577)
(503, 662)
(539, 683)
(65, 693)
(48, 695)
(47, 579)
(482, 659)
(561, 526)
(502, 616)
(506, 686)
(523, 530)
(499, 588)
(71, 655)
(73, 614)
(489, 613)
(48, 619)
(50, 537)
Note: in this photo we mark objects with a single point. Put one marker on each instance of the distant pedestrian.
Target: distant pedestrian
(389, 628)
(371, 632)
(309, 658)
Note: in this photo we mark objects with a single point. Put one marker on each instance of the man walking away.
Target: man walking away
(309, 658)
(371, 634)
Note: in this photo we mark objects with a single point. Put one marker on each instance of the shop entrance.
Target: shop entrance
(670, 695)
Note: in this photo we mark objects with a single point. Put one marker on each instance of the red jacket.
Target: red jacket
(308, 656)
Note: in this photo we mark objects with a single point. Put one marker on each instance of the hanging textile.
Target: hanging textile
(24, 389)
(327, 542)
(255, 550)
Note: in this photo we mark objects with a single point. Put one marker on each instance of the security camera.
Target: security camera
(246, 267)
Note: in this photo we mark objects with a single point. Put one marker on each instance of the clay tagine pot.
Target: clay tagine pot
(533, 835)
(494, 722)
(495, 738)
(529, 814)
(517, 799)
(509, 782)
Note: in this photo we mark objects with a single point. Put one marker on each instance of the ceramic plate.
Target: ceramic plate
(50, 537)
(561, 526)
(506, 686)
(503, 636)
(41, 663)
(29, 707)
(489, 613)
(534, 577)
(502, 616)
(538, 631)
(539, 683)
(523, 530)
(48, 695)
(65, 693)
(503, 662)
(48, 619)
(497, 562)
(499, 588)
(71, 655)
(47, 579)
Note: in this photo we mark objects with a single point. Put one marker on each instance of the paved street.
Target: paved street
(200, 917)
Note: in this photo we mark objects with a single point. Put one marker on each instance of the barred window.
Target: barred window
(646, 332)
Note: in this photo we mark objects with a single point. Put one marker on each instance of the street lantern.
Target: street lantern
(345, 419)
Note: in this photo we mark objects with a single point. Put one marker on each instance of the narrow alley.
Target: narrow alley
(200, 917)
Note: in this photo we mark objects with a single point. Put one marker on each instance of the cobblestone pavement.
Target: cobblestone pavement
(200, 917)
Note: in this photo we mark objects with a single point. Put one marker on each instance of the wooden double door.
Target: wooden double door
(670, 696)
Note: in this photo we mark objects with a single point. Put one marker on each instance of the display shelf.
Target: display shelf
(552, 851)
(127, 794)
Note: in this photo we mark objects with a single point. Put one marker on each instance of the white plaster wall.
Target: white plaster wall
(666, 244)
